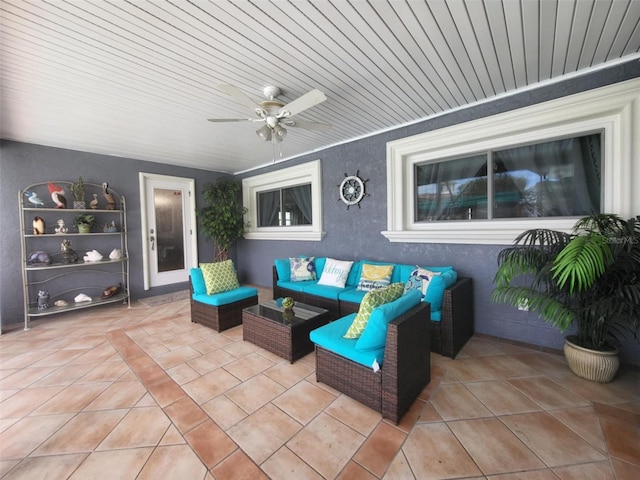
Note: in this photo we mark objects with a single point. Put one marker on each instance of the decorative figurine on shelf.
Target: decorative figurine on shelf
(39, 257)
(69, 255)
(38, 226)
(108, 196)
(61, 303)
(61, 228)
(111, 291)
(82, 297)
(116, 254)
(77, 190)
(94, 203)
(43, 300)
(57, 195)
(110, 227)
(34, 198)
(92, 256)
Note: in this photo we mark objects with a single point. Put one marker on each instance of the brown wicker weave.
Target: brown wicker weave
(287, 339)
(448, 335)
(405, 372)
(219, 318)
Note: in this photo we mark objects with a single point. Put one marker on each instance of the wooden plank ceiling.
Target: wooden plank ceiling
(138, 79)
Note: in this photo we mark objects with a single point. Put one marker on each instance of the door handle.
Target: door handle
(152, 239)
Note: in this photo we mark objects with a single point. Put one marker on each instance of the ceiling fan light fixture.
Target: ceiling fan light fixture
(264, 132)
(279, 131)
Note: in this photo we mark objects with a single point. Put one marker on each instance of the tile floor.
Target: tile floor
(143, 393)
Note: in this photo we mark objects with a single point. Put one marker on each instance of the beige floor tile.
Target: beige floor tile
(288, 374)
(433, 452)
(237, 466)
(183, 373)
(623, 440)
(224, 412)
(109, 465)
(210, 443)
(72, 399)
(547, 393)
(141, 427)
(354, 471)
(598, 470)
(473, 370)
(83, 433)
(456, 402)
(109, 371)
(502, 398)
(530, 475)
(477, 347)
(57, 466)
(240, 349)
(65, 375)
(509, 366)
(59, 358)
(624, 470)
(303, 401)
(211, 361)
(121, 394)
(172, 437)
(208, 386)
(614, 392)
(285, 465)
(263, 432)
(25, 401)
(429, 414)
(173, 461)
(248, 366)
(503, 454)
(24, 436)
(551, 440)
(352, 413)
(254, 393)
(22, 378)
(585, 422)
(399, 469)
(326, 445)
(175, 357)
(545, 363)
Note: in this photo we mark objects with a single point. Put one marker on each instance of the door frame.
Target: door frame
(191, 208)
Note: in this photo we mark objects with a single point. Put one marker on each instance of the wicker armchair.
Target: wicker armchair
(219, 317)
(405, 372)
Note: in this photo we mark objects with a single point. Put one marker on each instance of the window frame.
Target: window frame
(306, 173)
(612, 110)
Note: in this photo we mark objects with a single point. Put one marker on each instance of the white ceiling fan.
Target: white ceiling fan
(275, 114)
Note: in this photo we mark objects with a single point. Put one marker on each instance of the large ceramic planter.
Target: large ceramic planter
(589, 364)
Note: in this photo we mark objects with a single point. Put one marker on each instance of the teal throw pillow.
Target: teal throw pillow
(436, 287)
(370, 301)
(375, 333)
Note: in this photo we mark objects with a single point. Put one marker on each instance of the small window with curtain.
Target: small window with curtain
(285, 207)
(558, 178)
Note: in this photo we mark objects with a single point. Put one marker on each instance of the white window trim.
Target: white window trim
(310, 172)
(614, 110)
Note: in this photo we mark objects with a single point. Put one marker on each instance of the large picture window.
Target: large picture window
(557, 178)
(285, 204)
(542, 166)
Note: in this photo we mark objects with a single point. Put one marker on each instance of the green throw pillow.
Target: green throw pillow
(219, 276)
(370, 301)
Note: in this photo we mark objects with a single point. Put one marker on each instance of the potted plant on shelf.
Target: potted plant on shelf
(222, 218)
(588, 280)
(77, 190)
(84, 222)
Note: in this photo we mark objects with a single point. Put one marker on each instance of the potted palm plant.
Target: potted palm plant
(588, 280)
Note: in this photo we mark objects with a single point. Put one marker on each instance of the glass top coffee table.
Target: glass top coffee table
(285, 334)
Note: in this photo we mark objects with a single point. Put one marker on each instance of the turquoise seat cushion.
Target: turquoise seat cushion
(437, 285)
(331, 337)
(324, 291)
(197, 281)
(352, 295)
(374, 336)
(225, 298)
(295, 286)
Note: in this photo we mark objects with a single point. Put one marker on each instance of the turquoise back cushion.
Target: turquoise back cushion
(197, 281)
(375, 333)
(283, 267)
(437, 285)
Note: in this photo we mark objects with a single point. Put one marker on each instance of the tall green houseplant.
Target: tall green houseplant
(222, 217)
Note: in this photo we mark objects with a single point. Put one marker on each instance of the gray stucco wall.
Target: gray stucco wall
(355, 233)
(23, 164)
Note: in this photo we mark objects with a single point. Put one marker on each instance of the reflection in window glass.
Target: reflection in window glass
(285, 207)
(550, 179)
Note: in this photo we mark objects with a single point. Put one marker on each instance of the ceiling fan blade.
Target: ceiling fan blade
(238, 94)
(319, 127)
(230, 120)
(302, 103)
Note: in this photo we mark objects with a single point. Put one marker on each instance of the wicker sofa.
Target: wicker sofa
(451, 326)
(403, 374)
(219, 311)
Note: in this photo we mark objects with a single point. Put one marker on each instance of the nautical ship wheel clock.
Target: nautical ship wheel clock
(352, 190)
